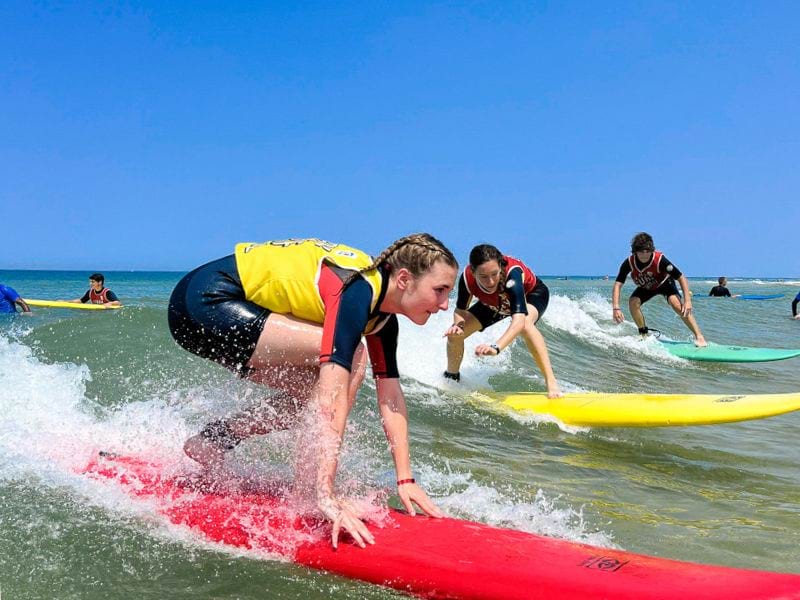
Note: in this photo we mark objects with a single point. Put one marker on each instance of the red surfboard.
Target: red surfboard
(436, 558)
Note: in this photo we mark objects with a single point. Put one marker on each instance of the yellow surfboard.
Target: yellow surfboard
(591, 409)
(63, 304)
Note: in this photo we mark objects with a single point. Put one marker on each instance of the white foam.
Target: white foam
(51, 429)
(535, 420)
(589, 319)
(788, 282)
(422, 353)
(41, 420)
(459, 495)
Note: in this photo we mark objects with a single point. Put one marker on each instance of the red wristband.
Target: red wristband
(402, 481)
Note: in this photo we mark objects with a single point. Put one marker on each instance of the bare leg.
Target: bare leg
(538, 349)
(274, 413)
(455, 343)
(286, 358)
(689, 320)
(635, 308)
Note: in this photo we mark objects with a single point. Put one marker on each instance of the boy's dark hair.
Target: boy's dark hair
(642, 242)
(721, 280)
(484, 253)
(98, 277)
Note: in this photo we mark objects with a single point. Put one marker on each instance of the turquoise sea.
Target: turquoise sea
(74, 382)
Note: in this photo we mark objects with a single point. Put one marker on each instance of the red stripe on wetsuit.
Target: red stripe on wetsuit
(347, 313)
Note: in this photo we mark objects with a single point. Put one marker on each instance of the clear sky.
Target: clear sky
(155, 135)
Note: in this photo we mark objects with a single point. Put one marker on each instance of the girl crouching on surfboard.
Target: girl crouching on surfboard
(290, 315)
(502, 286)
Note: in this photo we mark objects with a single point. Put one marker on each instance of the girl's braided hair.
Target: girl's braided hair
(416, 252)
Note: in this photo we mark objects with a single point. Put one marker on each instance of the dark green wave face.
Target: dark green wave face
(78, 381)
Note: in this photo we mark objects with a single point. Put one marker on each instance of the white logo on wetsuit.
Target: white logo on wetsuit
(503, 304)
(647, 280)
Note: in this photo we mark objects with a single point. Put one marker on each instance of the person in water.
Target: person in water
(10, 299)
(291, 314)
(98, 293)
(721, 290)
(654, 275)
(794, 306)
(502, 287)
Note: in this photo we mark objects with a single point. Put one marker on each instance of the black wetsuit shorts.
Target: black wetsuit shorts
(209, 315)
(538, 297)
(666, 289)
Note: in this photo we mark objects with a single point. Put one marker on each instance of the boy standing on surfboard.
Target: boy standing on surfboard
(653, 275)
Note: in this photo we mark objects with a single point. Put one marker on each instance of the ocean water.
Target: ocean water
(75, 382)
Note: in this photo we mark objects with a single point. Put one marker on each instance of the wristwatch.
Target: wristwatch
(496, 348)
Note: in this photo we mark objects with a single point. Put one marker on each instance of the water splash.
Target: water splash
(588, 319)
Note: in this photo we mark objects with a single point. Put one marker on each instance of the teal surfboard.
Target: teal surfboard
(717, 353)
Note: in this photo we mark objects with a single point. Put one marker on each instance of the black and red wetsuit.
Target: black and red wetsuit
(210, 315)
(519, 288)
(653, 278)
(101, 297)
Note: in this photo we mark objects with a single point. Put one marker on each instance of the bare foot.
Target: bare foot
(700, 342)
(206, 452)
(554, 391)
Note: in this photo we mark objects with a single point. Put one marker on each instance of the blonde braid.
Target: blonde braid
(416, 252)
(383, 256)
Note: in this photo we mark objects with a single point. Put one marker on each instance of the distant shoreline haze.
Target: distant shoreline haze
(109, 273)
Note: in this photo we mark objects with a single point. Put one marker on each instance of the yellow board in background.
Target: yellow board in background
(590, 409)
(63, 304)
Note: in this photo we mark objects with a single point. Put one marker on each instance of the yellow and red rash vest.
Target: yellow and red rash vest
(499, 298)
(283, 275)
(100, 297)
(648, 277)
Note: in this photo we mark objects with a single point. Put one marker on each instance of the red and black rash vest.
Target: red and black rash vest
(499, 300)
(100, 297)
(649, 277)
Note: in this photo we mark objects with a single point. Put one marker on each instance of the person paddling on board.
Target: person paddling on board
(10, 299)
(502, 286)
(653, 275)
(98, 293)
(290, 315)
(794, 306)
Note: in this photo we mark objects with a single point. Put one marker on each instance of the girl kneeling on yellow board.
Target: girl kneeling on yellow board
(502, 286)
(290, 315)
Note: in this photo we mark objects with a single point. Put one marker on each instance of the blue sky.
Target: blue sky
(156, 135)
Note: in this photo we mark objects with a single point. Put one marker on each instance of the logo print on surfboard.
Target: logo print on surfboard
(604, 563)
(729, 399)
